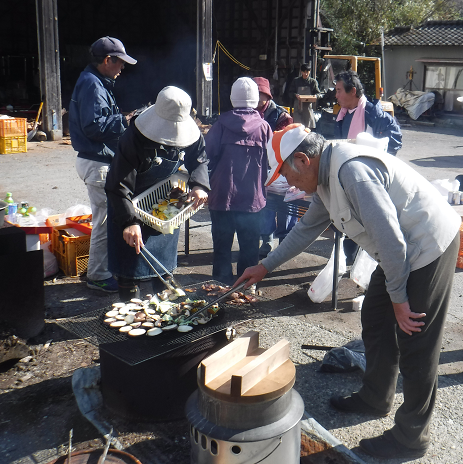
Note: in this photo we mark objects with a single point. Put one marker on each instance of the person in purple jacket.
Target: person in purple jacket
(236, 146)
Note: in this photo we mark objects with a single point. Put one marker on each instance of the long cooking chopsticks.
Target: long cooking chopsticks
(220, 298)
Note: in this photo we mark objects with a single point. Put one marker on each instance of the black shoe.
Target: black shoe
(264, 250)
(128, 290)
(386, 446)
(157, 285)
(355, 404)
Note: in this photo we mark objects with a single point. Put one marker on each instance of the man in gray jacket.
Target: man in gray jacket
(412, 232)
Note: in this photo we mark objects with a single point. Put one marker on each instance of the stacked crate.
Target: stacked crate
(13, 135)
(71, 251)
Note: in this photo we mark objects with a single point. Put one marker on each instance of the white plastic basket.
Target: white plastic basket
(158, 192)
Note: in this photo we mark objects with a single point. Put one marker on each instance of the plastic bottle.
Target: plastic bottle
(9, 200)
(11, 208)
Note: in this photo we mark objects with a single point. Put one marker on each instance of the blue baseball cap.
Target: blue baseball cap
(109, 46)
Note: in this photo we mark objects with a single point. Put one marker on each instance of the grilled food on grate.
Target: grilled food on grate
(235, 298)
(153, 316)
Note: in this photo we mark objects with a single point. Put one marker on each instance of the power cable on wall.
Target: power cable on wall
(220, 47)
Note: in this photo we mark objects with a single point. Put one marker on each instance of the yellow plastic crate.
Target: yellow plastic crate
(71, 252)
(13, 144)
(13, 127)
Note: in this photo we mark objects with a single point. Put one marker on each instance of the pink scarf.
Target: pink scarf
(357, 124)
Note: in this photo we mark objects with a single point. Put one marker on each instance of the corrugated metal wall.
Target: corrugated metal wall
(161, 35)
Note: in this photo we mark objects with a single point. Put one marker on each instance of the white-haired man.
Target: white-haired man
(396, 216)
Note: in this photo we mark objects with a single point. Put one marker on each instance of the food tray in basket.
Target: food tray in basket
(157, 193)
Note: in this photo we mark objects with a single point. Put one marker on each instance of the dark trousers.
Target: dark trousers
(388, 349)
(224, 226)
(277, 223)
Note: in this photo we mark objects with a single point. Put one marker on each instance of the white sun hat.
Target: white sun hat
(281, 145)
(168, 121)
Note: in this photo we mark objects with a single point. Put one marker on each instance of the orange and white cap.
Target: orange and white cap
(281, 145)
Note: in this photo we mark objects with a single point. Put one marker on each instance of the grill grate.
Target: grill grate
(90, 326)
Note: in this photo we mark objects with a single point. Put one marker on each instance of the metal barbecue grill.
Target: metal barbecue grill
(90, 326)
(150, 378)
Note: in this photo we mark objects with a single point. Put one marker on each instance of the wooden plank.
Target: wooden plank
(255, 371)
(203, 55)
(227, 357)
(222, 383)
(307, 98)
(49, 65)
(270, 387)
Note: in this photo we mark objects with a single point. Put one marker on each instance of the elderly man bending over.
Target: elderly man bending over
(395, 215)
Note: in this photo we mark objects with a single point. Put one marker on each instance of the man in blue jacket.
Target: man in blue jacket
(95, 125)
(359, 115)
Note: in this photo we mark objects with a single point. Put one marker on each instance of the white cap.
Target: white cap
(281, 145)
(244, 93)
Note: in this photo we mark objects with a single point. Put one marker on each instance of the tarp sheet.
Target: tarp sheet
(414, 102)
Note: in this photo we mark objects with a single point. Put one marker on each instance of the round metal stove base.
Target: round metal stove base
(273, 443)
(285, 448)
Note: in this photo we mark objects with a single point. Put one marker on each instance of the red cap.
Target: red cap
(263, 85)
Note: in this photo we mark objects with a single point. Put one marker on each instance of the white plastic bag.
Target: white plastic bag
(50, 263)
(444, 186)
(293, 193)
(78, 210)
(363, 267)
(323, 284)
(366, 139)
(42, 215)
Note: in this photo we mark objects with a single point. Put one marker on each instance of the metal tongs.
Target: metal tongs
(176, 287)
(103, 457)
(220, 298)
